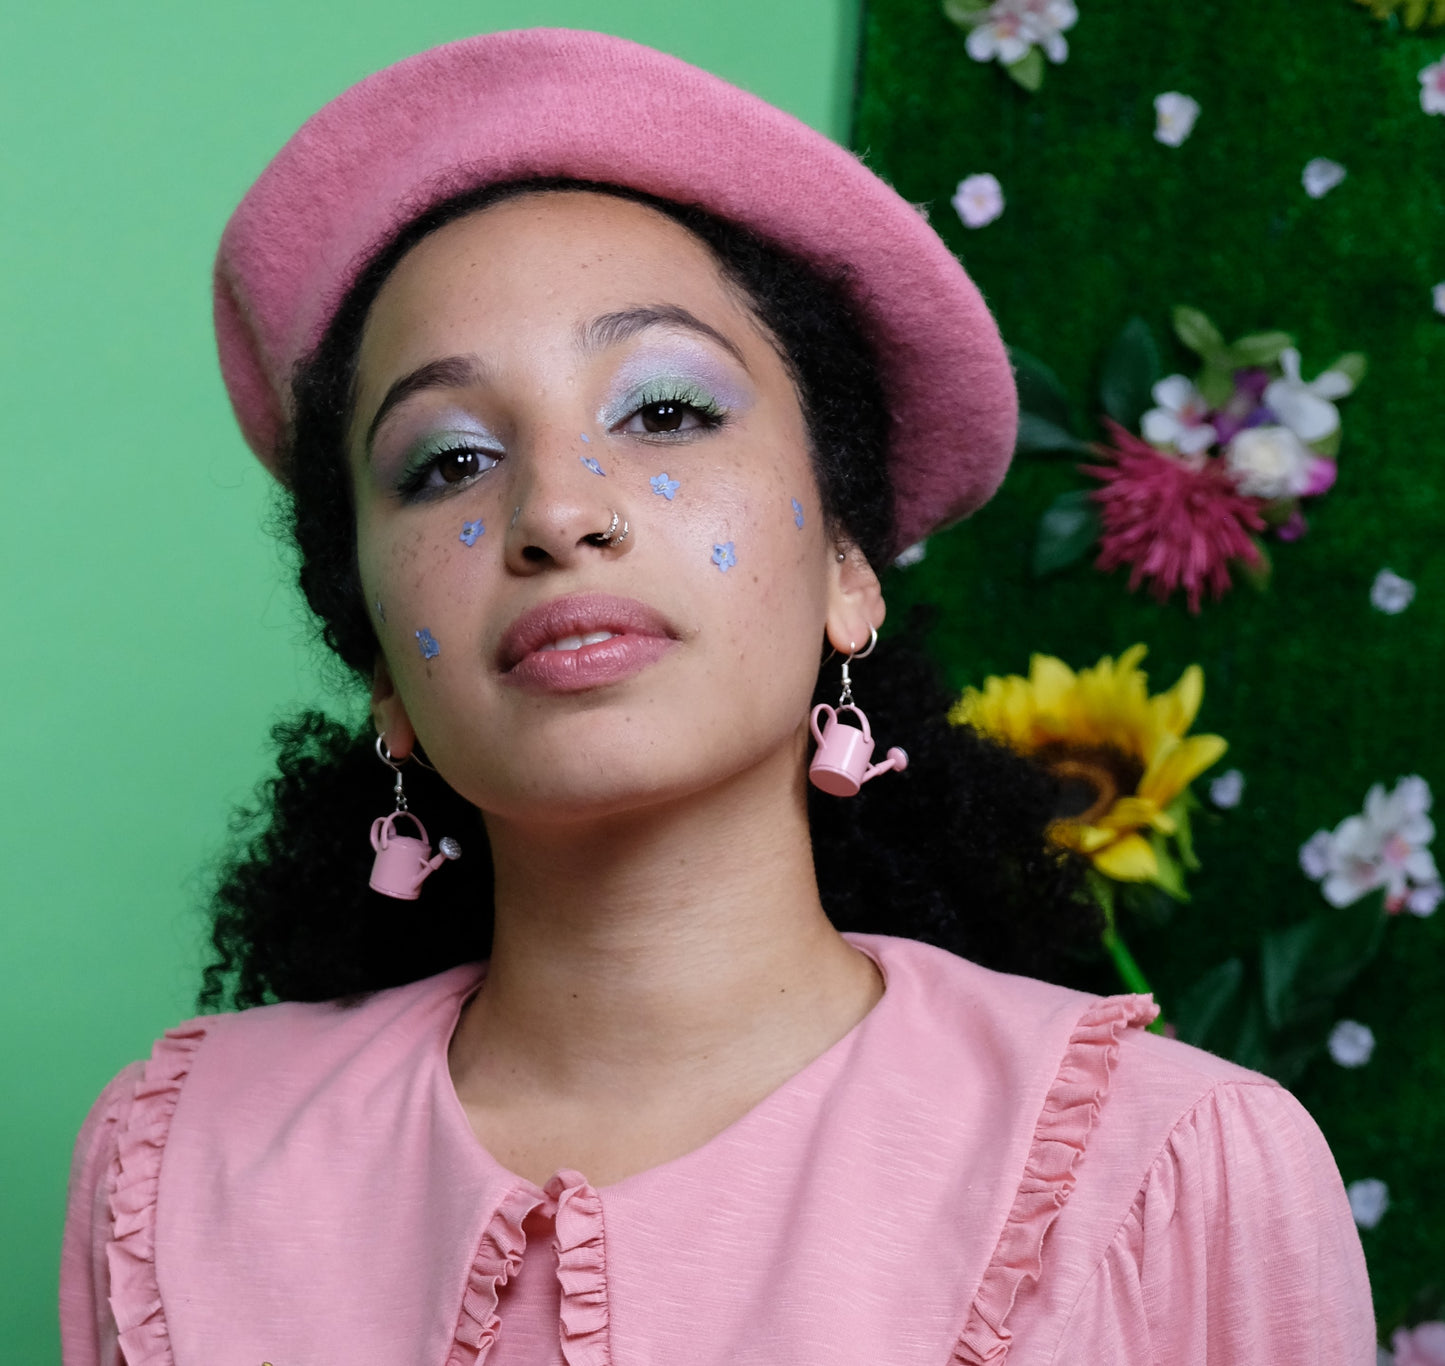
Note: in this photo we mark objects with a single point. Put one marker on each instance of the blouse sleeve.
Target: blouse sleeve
(1239, 1250)
(87, 1327)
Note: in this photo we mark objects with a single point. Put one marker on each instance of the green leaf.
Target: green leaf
(1066, 531)
(1040, 392)
(961, 12)
(1205, 1007)
(1038, 435)
(1305, 967)
(1195, 330)
(1258, 574)
(1216, 382)
(1147, 901)
(1170, 877)
(1353, 364)
(1131, 371)
(1259, 348)
(1028, 71)
(1179, 812)
(1328, 446)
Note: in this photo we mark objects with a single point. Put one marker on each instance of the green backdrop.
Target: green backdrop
(1319, 695)
(149, 636)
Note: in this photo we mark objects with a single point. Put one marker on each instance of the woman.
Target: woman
(601, 389)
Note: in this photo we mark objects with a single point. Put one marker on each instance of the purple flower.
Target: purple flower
(662, 484)
(592, 465)
(429, 647)
(723, 556)
(470, 532)
(797, 514)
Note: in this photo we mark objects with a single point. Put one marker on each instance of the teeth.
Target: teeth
(577, 642)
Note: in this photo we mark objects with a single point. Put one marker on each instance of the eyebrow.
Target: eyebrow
(452, 372)
(610, 329)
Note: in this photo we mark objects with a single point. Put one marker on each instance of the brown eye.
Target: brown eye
(455, 466)
(663, 417)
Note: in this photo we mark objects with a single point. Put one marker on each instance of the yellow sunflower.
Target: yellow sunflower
(1122, 756)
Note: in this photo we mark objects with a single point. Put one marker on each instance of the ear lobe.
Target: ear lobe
(388, 712)
(855, 602)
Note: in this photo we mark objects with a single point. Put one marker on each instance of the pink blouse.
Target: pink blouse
(986, 1167)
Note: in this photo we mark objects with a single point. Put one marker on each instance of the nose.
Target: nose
(564, 498)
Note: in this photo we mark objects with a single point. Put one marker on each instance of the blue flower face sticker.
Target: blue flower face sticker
(797, 514)
(429, 648)
(470, 532)
(592, 465)
(585, 437)
(723, 556)
(663, 485)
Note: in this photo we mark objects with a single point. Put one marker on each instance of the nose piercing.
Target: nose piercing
(611, 537)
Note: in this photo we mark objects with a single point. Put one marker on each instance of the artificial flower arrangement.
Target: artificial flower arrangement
(1124, 760)
(1019, 34)
(1218, 461)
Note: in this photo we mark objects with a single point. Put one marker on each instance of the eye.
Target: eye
(666, 415)
(450, 467)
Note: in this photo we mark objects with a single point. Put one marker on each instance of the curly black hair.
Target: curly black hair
(955, 852)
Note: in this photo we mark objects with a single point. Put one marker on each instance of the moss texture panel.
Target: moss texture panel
(1318, 694)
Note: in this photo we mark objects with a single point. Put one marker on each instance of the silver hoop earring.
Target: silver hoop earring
(611, 537)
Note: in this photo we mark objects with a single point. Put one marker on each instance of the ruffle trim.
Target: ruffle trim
(497, 1259)
(1073, 1102)
(581, 1271)
(135, 1296)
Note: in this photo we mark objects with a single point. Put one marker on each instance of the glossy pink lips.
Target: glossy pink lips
(640, 636)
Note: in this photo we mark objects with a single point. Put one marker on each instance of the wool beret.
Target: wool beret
(562, 102)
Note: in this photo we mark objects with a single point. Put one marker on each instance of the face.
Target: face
(526, 373)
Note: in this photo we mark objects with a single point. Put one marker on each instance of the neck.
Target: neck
(632, 951)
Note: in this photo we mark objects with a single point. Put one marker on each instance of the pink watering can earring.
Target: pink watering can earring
(403, 862)
(841, 765)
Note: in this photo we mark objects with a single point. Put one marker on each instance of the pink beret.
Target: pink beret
(559, 102)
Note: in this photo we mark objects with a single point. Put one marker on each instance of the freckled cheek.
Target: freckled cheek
(422, 583)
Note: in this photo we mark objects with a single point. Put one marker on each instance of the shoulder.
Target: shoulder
(308, 1038)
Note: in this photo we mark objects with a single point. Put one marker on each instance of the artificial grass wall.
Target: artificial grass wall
(1318, 694)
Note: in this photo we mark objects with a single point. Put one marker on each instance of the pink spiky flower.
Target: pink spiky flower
(1174, 526)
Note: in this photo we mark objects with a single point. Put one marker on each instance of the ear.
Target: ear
(855, 600)
(388, 712)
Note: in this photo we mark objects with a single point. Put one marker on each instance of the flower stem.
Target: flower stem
(1129, 971)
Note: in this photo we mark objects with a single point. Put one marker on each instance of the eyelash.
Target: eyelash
(413, 483)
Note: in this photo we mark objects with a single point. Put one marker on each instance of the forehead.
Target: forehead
(543, 259)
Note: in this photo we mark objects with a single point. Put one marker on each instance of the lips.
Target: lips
(582, 641)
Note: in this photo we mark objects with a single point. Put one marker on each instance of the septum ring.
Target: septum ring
(610, 537)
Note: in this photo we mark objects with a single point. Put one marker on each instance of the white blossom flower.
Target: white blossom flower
(1351, 1043)
(1369, 1199)
(1437, 297)
(978, 199)
(1307, 409)
(1390, 593)
(1270, 462)
(1226, 790)
(1178, 421)
(911, 555)
(1007, 29)
(1320, 176)
(1385, 846)
(1422, 901)
(1423, 1345)
(1174, 116)
(1432, 88)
